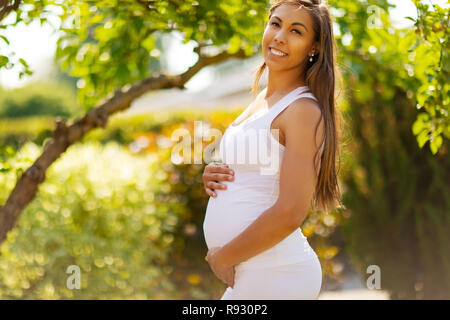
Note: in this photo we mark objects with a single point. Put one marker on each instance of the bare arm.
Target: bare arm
(297, 183)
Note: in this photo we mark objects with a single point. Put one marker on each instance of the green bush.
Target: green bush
(38, 99)
(398, 194)
(15, 132)
(97, 209)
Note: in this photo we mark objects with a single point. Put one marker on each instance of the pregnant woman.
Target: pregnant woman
(284, 161)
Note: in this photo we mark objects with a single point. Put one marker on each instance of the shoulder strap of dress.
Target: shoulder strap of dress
(287, 100)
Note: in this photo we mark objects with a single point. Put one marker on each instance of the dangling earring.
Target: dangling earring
(310, 58)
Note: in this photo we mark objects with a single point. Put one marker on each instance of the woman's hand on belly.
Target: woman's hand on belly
(224, 273)
(213, 173)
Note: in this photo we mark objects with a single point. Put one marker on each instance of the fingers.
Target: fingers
(233, 273)
(224, 275)
(230, 278)
(227, 276)
(214, 166)
(210, 186)
(220, 176)
(213, 174)
(210, 192)
(215, 185)
(219, 168)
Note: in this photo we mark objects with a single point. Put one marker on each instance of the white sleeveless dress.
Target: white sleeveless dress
(288, 270)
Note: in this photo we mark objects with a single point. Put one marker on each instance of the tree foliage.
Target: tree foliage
(433, 72)
(111, 46)
(111, 43)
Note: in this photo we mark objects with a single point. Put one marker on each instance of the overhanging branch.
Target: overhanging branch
(6, 8)
(66, 134)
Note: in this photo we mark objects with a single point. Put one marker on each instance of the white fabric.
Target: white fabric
(291, 266)
(299, 281)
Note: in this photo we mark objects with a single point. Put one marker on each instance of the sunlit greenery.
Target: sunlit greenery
(139, 190)
(97, 210)
(432, 69)
(118, 207)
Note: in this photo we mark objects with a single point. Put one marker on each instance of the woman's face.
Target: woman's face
(290, 30)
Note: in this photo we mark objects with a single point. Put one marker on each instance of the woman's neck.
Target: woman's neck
(281, 83)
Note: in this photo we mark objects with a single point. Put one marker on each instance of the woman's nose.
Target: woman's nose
(279, 38)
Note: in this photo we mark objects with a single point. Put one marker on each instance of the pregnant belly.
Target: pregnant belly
(237, 207)
(231, 212)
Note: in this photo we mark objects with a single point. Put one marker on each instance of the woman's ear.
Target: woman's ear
(316, 48)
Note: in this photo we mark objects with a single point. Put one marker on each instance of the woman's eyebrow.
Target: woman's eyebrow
(294, 23)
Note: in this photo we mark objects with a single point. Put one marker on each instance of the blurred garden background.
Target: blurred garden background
(116, 204)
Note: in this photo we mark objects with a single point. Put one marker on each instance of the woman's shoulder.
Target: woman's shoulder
(306, 100)
(303, 113)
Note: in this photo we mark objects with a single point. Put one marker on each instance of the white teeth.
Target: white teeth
(278, 53)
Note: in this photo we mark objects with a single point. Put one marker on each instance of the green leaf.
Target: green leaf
(436, 144)
(422, 138)
(418, 126)
(3, 61)
(5, 39)
(23, 62)
(234, 44)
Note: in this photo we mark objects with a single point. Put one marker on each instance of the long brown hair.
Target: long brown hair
(320, 78)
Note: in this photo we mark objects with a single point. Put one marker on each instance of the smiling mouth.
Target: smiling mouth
(277, 53)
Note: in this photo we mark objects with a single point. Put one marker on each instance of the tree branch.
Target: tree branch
(66, 134)
(6, 8)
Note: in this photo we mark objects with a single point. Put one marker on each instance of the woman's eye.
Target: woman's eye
(275, 23)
